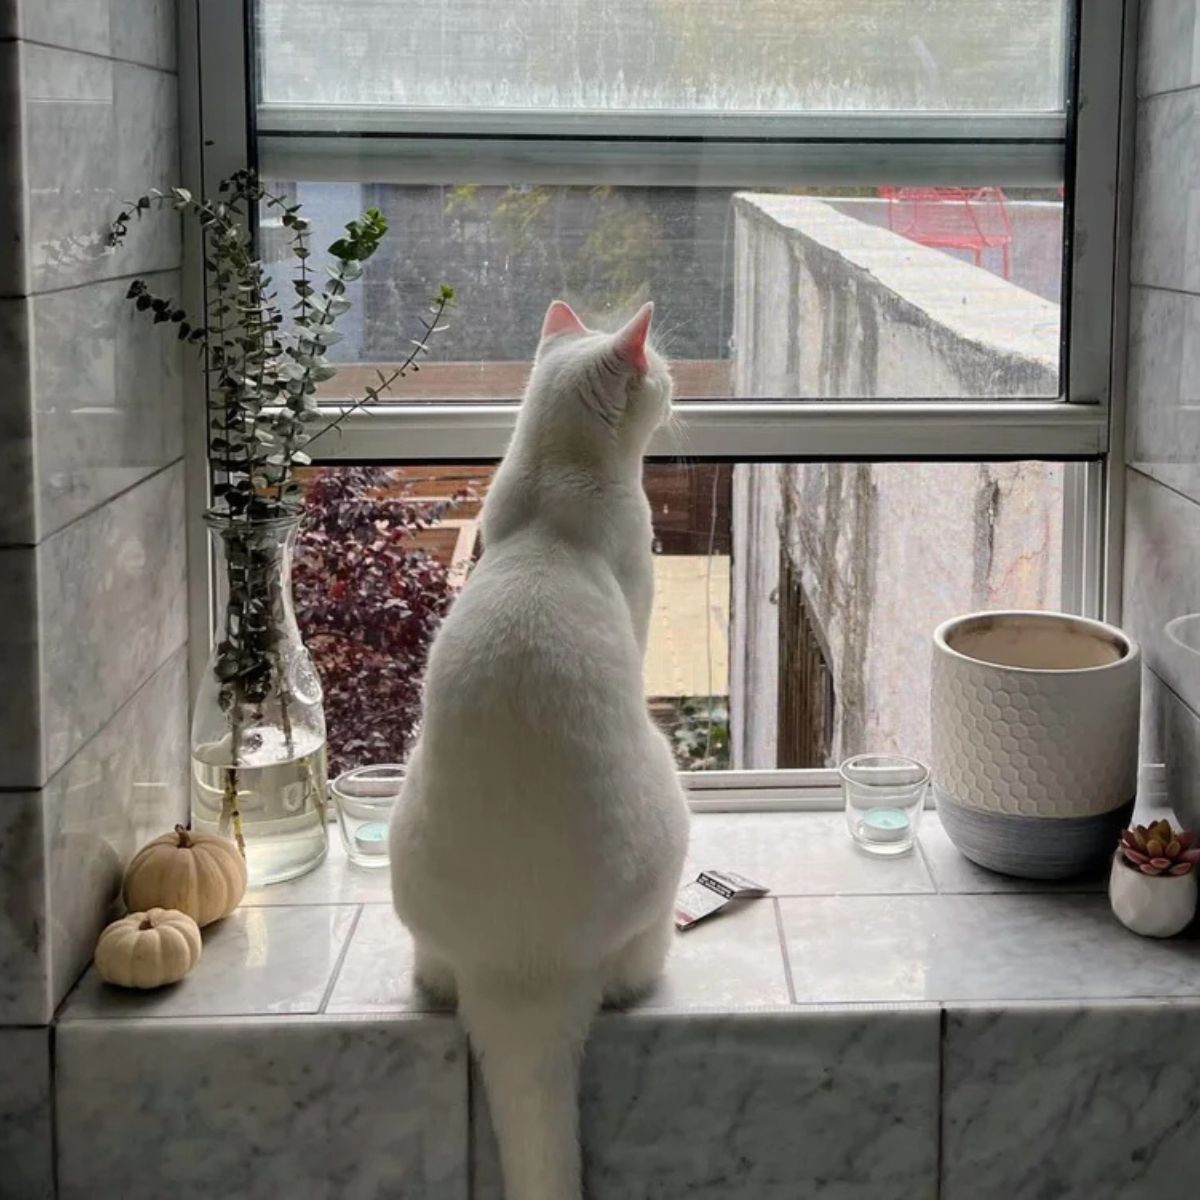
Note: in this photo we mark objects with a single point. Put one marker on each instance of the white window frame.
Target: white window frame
(1090, 147)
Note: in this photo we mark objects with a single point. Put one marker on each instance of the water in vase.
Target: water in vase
(281, 797)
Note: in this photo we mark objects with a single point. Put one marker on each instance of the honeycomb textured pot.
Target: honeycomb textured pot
(1034, 738)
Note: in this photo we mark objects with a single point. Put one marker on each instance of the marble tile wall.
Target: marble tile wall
(106, 397)
(17, 513)
(93, 709)
(12, 158)
(314, 1109)
(99, 396)
(1162, 525)
(1169, 46)
(63, 847)
(773, 1106)
(26, 1155)
(1075, 1102)
(138, 31)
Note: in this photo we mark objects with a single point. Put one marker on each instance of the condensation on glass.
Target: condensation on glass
(666, 55)
(794, 603)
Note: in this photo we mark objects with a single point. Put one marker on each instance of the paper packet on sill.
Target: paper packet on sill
(709, 892)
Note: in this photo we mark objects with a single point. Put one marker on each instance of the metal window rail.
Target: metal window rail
(749, 430)
(446, 146)
(901, 125)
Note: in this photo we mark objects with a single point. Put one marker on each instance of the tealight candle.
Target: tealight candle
(885, 825)
(371, 838)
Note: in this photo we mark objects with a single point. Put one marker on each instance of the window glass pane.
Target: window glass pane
(754, 55)
(852, 293)
(793, 609)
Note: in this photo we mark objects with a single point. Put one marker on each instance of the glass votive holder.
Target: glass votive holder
(364, 799)
(884, 795)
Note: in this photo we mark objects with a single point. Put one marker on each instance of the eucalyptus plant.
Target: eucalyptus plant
(263, 371)
(263, 376)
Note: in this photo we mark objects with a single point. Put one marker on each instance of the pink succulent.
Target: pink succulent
(1157, 849)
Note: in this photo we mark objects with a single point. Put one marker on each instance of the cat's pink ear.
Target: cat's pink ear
(631, 341)
(561, 318)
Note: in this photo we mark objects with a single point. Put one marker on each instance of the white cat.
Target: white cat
(538, 843)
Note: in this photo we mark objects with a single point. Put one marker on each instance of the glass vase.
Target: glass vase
(258, 732)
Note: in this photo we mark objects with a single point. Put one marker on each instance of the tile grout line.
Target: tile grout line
(1189, 1002)
(341, 959)
(925, 862)
(52, 1056)
(173, 72)
(1067, 889)
(103, 504)
(33, 295)
(471, 1155)
(783, 949)
(1165, 486)
(313, 903)
(1162, 287)
(943, 1023)
(155, 671)
(1181, 90)
(1165, 684)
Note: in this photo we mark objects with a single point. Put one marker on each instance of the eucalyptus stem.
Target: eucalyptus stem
(231, 809)
(420, 346)
(261, 403)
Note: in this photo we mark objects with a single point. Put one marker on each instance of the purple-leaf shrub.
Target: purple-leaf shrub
(369, 603)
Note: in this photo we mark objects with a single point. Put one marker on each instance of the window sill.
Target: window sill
(875, 1030)
(839, 927)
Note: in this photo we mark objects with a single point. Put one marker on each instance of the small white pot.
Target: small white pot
(1152, 905)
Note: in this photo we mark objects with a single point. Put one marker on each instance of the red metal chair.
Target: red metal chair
(952, 218)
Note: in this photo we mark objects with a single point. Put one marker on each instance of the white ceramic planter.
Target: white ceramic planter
(1034, 739)
(1152, 905)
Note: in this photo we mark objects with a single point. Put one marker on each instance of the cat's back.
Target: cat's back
(538, 618)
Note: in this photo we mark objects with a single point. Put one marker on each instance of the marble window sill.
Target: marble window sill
(911, 1029)
(839, 928)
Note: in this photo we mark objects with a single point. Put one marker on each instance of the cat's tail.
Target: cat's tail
(529, 1042)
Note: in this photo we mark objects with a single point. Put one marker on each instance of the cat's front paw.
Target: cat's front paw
(435, 980)
(626, 993)
(442, 992)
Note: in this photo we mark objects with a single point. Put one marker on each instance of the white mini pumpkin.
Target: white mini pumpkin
(198, 873)
(148, 949)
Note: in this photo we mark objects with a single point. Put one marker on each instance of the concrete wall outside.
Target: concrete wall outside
(885, 552)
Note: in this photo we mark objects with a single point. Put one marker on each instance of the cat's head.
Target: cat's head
(613, 387)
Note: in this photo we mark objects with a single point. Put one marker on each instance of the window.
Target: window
(880, 235)
(794, 602)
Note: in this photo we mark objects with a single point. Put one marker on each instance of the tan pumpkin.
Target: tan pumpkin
(198, 873)
(148, 949)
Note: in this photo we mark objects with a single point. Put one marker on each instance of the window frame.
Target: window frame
(1089, 146)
